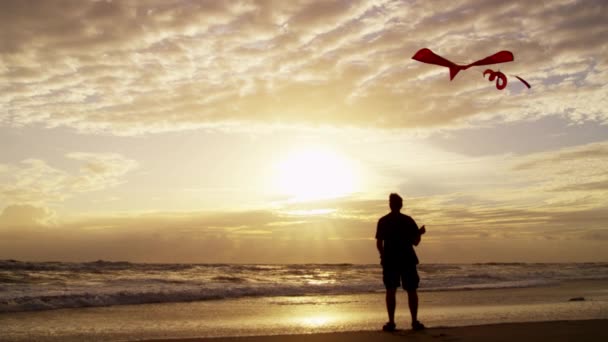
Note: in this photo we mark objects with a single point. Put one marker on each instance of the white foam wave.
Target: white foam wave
(29, 286)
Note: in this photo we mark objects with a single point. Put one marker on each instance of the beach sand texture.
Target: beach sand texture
(487, 315)
(557, 331)
(484, 315)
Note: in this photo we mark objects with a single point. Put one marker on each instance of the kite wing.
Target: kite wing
(427, 56)
(499, 57)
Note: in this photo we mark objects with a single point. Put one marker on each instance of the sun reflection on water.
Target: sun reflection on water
(321, 278)
(317, 321)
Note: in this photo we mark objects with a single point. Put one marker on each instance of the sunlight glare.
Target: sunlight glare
(315, 173)
(316, 321)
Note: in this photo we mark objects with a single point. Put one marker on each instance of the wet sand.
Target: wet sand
(557, 331)
(450, 315)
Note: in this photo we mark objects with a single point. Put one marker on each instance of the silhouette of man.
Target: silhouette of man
(396, 236)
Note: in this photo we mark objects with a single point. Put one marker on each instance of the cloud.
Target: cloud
(595, 152)
(246, 236)
(588, 186)
(470, 230)
(515, 204)
(25, 216)
(33, 181)
(100, 170)
(574, 177)
(130, 68)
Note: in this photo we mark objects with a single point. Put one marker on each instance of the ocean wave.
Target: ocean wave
(168, 295)
(502, 264)
(492, 286)
(229, 279)
(78, 300)
(49, 302)
(27, 286)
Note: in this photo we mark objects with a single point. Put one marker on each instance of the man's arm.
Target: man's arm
(380, 238)
(380, 246)
(421, 231)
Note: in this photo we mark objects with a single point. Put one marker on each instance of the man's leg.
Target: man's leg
(411, 280)
(412, 300)
(391, 303)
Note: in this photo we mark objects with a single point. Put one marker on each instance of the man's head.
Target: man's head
(395, 202)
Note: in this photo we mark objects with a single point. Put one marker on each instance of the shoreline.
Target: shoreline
(311, 315)
(555, 331)
(538, 289)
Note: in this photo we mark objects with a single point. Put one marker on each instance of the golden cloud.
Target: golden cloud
(137, 67)
(25, 216)
(455, 233)
(33, 181)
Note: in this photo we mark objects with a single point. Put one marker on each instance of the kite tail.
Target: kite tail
(524, 82)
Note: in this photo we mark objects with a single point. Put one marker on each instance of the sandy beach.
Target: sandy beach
(481, 315)
(557, 331)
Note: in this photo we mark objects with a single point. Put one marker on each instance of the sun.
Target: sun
(315, 173)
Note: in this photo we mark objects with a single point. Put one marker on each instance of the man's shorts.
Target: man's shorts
(394, 276)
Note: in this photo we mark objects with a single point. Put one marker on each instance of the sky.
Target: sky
(273, 131)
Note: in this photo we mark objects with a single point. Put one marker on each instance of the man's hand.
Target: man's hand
(422, 230)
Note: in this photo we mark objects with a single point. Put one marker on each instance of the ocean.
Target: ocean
(39, 286)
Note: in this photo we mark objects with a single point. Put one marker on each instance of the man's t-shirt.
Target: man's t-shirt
(398, 231)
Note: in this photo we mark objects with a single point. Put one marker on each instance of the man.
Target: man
(396, 236)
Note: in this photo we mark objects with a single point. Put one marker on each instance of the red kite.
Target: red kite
(427, 56)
